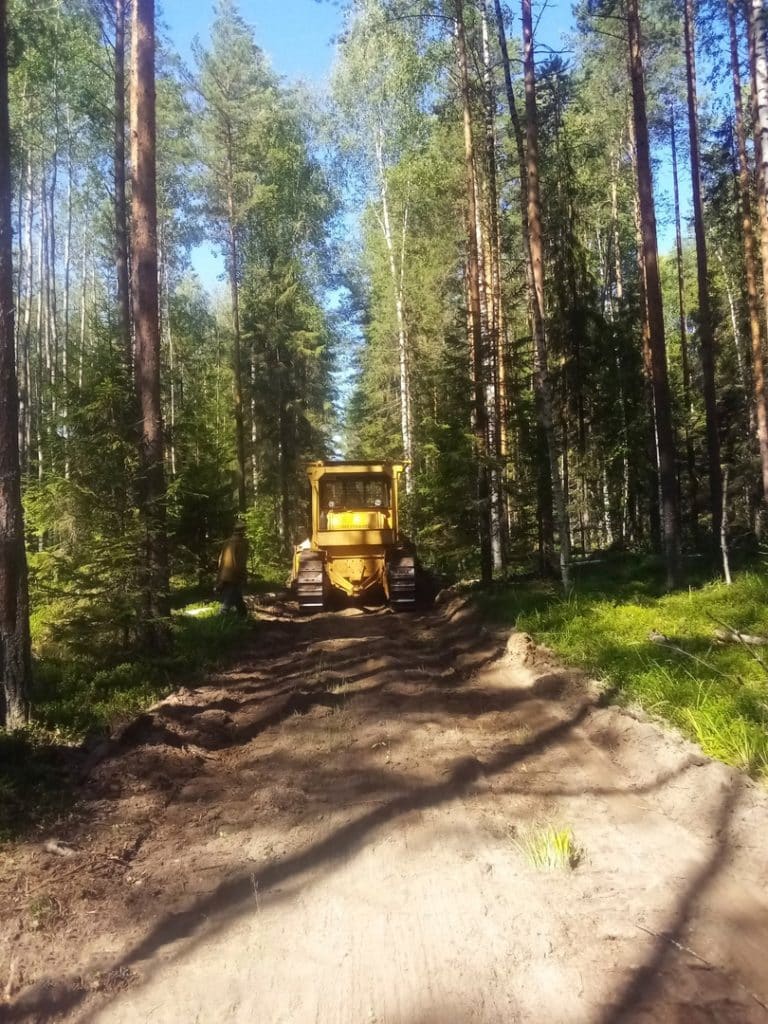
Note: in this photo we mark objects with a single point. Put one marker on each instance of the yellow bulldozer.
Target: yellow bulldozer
(356, 547)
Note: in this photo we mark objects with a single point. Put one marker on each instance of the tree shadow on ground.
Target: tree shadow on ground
(550, 704)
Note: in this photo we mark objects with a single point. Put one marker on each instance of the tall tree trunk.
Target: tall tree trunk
(167, 332)
(237, 359)
(545, 478)
(152, 496)
(693, 489)
(758, 60)
(706, 333)
(67, 282)
(735, 329)
(120, 202)
(750, 262)
(15, 658)
(83, 304)
(663, 402)
(480, 425)
(541, 369)
(254, 423)
(39, 390)
(397, 276)
(495, 379)
(25, 390)
(654, 493)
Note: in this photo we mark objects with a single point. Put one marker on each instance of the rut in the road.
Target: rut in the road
(328, 832)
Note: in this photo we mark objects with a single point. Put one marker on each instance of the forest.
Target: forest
(539, 276)
(510, 257)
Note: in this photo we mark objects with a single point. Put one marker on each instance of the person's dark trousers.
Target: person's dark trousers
(232, 598)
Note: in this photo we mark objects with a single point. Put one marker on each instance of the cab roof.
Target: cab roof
(318, 469)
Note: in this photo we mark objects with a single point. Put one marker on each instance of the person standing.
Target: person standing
(233, 571)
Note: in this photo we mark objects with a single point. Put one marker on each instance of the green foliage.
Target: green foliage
(77, 695)
(548, 848)
(84, 693)
(713, 692)
(267, 553)
(270, 205)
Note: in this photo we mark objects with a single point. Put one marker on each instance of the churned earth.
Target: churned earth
(334, 830)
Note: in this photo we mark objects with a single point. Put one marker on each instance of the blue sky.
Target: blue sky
(298, 36)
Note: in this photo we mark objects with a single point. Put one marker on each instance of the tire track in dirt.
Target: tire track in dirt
(328, 834)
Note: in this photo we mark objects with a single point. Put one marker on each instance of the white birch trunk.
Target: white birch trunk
(402, 332)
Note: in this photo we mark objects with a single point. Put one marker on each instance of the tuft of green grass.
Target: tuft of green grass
(43, 912)
(549, 848)
(735, 741)
(715, 693)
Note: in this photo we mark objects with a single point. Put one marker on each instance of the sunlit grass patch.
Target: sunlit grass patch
(342, 686)
(733, 740)
(548, 848)
(660, 650)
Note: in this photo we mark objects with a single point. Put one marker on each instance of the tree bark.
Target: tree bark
(658, 352)
(706, 333)
(488, 236)
(397, 276)
(152, 498)
(15, 657)
(237, 359)
(550, 491)
(120, 203)
(480, 425)
(750, 262)
(758, 59)
(535, 245)
(66, 311)
(693, 488)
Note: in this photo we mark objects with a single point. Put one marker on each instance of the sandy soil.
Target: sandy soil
(328, 832)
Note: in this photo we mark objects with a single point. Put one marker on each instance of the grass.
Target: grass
(74, 698)
(715, 693)
(548, 848)
(86, 695)
(337, 728)
(43, 912)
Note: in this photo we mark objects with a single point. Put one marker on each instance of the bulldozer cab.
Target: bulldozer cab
(355, 547)
(354, 503)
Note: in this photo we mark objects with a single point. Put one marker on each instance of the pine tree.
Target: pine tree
(152, 494)
(15, 661)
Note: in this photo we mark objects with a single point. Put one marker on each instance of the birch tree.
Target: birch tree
(378, 127)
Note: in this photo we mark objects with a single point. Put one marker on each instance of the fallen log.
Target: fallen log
(725, 636)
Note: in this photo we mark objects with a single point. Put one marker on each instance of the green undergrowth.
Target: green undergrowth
(75, 697)
(81, 693)
(659, 650)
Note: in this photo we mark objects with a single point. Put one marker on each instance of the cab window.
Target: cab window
(344, 492)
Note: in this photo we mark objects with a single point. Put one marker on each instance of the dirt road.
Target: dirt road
(330, 832)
